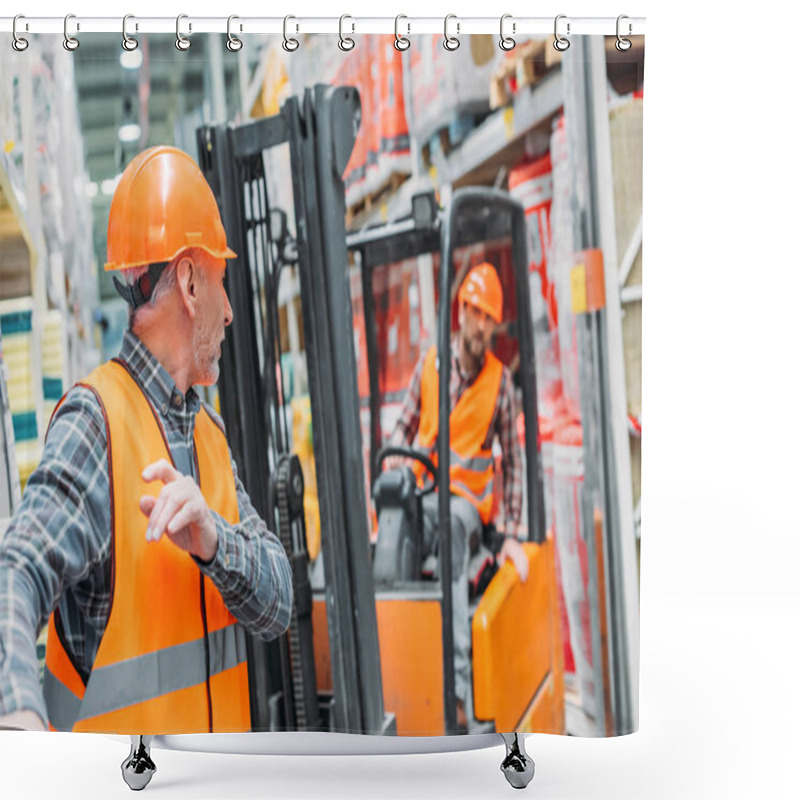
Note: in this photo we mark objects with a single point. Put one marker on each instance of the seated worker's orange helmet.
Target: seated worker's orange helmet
(481, 288)
(162, 206)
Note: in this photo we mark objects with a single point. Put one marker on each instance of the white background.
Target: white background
(720, 607)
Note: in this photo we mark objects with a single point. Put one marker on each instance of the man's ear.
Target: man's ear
(187, 275)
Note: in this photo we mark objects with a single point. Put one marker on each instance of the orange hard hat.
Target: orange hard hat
(162, 206)
(482, 289)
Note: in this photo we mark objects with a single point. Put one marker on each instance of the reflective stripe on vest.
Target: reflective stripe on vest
(149, 674)
(471, 463)
(135, 680)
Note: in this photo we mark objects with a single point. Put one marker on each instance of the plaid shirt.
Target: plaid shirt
(503, 426)
(57, 549)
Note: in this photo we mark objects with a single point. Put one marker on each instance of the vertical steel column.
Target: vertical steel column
(625, 575)
(603, 404)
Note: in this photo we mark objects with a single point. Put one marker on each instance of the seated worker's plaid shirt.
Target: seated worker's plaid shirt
(57, 550)
(503, 425)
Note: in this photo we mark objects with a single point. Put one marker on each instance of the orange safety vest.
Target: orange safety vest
(172, 658)
(471, 463)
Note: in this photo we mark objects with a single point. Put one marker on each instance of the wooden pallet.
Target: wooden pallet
(525, 66)
(365, 205)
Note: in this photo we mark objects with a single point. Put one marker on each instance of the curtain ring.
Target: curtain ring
(181, 42)
(18, 42)
(560, 43)
(506, 42)
(289, 44)
(70, 42)
(451, 42)
(233, 44)
(623, 44)
(401, 43)
(345, 42)
(128, 42)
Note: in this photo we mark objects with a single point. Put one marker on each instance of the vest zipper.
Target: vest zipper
(205, 648)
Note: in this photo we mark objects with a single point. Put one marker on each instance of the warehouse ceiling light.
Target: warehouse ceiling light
(130, 132)
(131, 59)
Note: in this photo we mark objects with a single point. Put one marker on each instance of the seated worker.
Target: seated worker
(482, 407)
(135, 535)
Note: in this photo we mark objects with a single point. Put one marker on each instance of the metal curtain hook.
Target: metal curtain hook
(623, 44)
(451, 42)
(18, 42)
(506, 42)
(560, 43)
(290, 44)
(345, 42)
(233, 44)
(181, 42)
(401, 42)
(128, 42)
(70, 42)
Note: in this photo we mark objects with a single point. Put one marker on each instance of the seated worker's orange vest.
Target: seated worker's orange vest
(172, 658)
(471, 463)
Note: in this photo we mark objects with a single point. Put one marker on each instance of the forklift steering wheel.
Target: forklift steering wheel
(416, 455)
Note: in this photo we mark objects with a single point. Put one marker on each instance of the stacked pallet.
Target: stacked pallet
(522, 67)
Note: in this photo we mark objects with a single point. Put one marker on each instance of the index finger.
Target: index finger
(160, 470)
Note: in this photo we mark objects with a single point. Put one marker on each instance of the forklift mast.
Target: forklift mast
(320, 130)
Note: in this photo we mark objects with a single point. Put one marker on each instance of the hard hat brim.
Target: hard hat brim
(227, 254)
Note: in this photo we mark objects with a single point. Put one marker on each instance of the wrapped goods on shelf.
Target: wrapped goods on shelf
(561, 257)
(395, 144)
(41, 132)
(568, 475)
(16, 328)
(531, 182)
(371, 107)
(445, 84)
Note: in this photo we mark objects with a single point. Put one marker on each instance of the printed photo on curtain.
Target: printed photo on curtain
(320, 384)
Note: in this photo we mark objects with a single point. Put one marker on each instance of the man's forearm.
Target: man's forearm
(252, 572)
(20, 690)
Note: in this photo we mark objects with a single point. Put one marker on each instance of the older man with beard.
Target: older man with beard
(482, 409)
(135, 535)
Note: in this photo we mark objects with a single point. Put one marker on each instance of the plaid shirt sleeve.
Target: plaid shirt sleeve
(512, 460)
(251, 569)
(408, 423)
(54, 540)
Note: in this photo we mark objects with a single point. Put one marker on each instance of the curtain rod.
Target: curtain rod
(406, 25)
